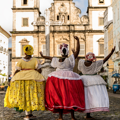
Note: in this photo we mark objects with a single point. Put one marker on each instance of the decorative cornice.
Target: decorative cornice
(19, 9)
(4, 32)
(101, 7)
(58, 31)
(57, 57)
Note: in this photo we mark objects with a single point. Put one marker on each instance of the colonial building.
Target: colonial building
(89, 27)
(3, 54)
(116, 34)
(108, 41)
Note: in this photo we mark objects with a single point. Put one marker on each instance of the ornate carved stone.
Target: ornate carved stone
(62, 8)
(24, 41)
(84, 19)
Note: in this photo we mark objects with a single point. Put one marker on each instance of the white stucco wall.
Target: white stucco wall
(95, 20)
(110, 13)
(4, 55)
(19, 16)
(95, 43)
(18, 45)
(116, 23)
(95, 3)
(19, 4)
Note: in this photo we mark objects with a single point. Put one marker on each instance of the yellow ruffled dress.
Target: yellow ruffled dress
(26, 91)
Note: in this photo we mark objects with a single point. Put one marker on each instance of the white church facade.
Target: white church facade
(25, 12)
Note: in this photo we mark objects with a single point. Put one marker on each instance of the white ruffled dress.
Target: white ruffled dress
(96, 96)
(64, 88)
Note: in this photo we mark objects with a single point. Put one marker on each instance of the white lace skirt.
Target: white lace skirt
(96, 98)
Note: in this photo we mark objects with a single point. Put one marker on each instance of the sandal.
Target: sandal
(91, 118)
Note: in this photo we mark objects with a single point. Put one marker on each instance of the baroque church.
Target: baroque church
(89, 28)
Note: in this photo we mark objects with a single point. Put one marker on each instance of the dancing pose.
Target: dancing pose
(64, 90)
(96, 96)
(26, 91)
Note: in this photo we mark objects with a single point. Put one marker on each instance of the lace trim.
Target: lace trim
(17, 68)
(68, 78)
(35, 80)
(26, 60)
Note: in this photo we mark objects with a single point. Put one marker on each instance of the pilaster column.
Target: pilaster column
(36, 52)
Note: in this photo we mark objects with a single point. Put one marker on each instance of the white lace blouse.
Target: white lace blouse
(94, 68)
(88, 77)
(67, 64)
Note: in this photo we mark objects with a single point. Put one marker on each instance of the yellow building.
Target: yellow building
(110, 61)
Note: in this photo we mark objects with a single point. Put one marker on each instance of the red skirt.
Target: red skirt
(64, 94)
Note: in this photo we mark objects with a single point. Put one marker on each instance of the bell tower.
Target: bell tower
(96, 9)
(24, 13)
(23, 32)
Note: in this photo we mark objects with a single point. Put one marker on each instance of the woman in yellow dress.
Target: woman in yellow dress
(26, 90)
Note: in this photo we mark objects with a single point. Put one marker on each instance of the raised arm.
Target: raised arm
(46, 57)
(76, 52)
(112, 51)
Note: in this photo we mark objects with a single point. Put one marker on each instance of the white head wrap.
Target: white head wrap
(62, 47)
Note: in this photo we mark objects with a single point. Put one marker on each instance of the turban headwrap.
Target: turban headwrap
(28, 49)
(90, 56)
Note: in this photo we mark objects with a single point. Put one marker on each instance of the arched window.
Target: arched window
(68, 17)
(57, 17)
(63, 19)
(24, 2)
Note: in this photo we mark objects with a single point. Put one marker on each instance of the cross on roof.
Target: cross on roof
(47, 24)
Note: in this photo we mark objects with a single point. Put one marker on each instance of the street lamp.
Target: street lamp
(85, 22)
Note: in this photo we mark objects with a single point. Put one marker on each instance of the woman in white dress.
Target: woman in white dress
(96, 96)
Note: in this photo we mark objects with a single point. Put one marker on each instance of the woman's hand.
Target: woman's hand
(106, 58)
(41, 53)
(76, 52)
(76, 37)
(46, 57)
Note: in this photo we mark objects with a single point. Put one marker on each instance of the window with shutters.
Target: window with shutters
(22, 50)
(101, 49)
(101, 21)
(82, 49)
(23, 42)
(25, 22)
(101, 1)
(24, 2)
(44, 49)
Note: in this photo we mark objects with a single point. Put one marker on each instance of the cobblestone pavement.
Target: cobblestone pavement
(11, 114)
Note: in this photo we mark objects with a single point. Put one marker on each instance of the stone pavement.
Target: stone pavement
(11, 114)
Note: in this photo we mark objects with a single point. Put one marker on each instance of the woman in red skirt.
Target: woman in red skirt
(64, 91)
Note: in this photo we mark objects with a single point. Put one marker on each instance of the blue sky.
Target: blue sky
(6, 11)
